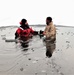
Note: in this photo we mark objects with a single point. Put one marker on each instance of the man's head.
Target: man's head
(23, 22)
(48, 20)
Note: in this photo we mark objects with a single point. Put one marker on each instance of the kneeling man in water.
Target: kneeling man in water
(24, 31)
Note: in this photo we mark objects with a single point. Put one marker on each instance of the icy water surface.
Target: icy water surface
(32, 60)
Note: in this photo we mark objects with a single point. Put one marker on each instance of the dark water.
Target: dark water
(31, 59)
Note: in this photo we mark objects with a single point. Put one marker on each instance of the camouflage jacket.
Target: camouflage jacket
(50, 31)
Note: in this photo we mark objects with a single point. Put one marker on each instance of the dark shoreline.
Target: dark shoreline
(37, 26)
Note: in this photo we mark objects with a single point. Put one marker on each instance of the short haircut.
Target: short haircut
(23, 21)
(49, 19)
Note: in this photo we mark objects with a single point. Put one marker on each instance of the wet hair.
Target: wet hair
(23, 21)
(49, 19)
(23, 25)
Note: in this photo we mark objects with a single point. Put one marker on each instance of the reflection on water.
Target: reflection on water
(24, 44)
(50, 47)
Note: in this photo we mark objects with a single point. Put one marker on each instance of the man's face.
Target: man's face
(47, 22)
(26, 23)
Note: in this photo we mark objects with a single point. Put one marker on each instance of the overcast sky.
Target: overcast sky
(36, 11)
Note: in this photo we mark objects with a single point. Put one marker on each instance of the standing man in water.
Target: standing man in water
(50, 33)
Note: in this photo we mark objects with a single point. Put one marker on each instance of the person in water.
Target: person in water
(50, 30)
(50, 33)
(24, 31)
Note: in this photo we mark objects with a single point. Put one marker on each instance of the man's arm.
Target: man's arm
(49, 31)
(17, 33)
